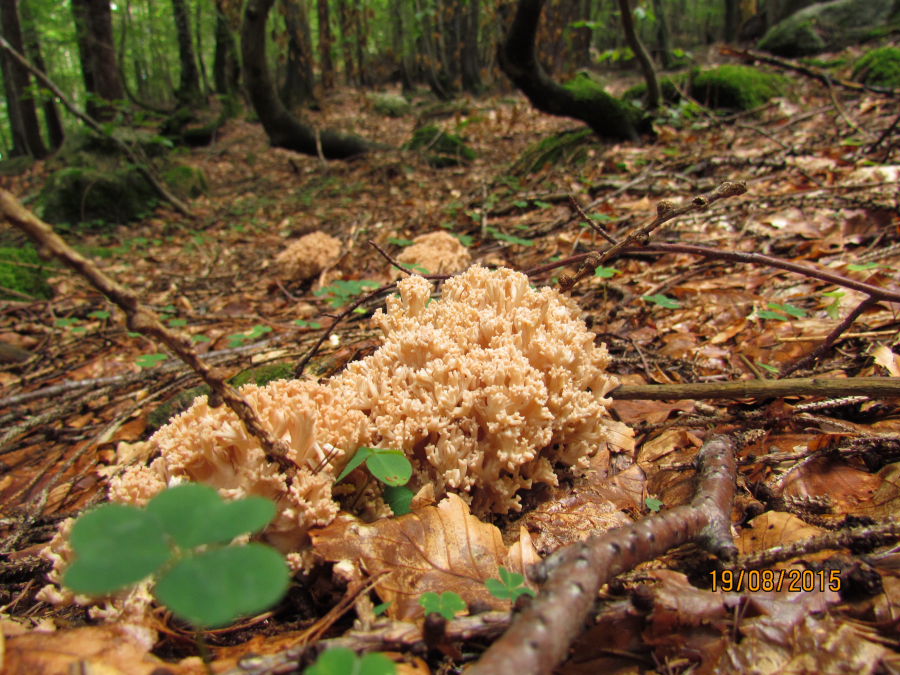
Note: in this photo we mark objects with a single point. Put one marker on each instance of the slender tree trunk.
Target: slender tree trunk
(663, 41)
(102, 80)
(298, 83)
(326, 64)
(470, 68)
(52, 119)
(732, 20)
(23, 114)
(189, 85)
(643, 57)
(226, 68)
(198, 36)
(283, 129)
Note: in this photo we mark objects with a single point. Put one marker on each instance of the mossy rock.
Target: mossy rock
(441, 149)
(879, 68)
(389, 104)
(86, 148)
(736, 87)
(194, 127)
(668, 86)
(87, 195)
(186, 181)
(567, 146)
(22, 270)
(177, 404)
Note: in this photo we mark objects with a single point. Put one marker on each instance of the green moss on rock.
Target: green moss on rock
(879, 68)
(23, 271)
(441, 149)
(736, 87)
(562, 147)
(186, 181)
(389, 104)
(262, 375)
(607, 115)
(87, 195)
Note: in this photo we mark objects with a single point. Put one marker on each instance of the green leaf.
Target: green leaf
(398, 241)
(344, 661)
(797, 312)
(177, 323)
(465, 239)
(834, 308)
(653, 504)
(399, 498)
(115, 545)
(99, 314)
(218, 586)
(448, 604)
(241, 516)
(509, 586)
(663, 301)
(199, 337)
(766, 366)
(380, 609)
(500, 236)
(315, 325)
(542, 205)
(389, 466)
(520, 203)
(862, 267)
(150, 360)
(65, 323)
(766, 314)
(605, 272)
(362, 454)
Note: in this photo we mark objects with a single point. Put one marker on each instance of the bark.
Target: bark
(345, 23)
(326, 64)
(606, 115)
(102, 80)
(32, 42)
(189, 85)
(732, 20)
(470, 66)
(641, 54)
(663, 40)
(226, 68)
(283, 129)
(26, 129)
(298, 82)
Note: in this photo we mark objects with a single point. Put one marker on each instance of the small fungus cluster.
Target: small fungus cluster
(308, 256)
(437, 252)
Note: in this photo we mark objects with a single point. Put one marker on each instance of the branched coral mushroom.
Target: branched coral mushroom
(308, 255)
(485, 389)
(437, 252)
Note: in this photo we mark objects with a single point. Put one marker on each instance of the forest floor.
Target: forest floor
(822, 192)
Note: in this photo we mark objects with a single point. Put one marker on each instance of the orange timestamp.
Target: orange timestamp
(792, 581)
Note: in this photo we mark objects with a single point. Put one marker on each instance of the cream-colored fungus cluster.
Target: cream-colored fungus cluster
(437, 252)
(308, 256)
(488, 391)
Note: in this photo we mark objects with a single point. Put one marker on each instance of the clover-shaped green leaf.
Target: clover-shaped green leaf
(509, 586)
(448, 604)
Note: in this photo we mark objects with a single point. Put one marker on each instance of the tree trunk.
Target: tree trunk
(606, 115)
(299, 82)
(55, 131)
(642, 56)
(732, 20)
(226, 68)
(401, 41)
(283, 129)
(345, 24)
(470, 67)
(429, 58)
(189, 85)
(26, 129)
(326, 64)
(663, 40)
(93, 25)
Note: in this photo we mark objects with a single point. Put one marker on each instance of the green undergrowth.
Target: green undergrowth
(441, 149)
(567, 147)
(879, 68)
(23, 272)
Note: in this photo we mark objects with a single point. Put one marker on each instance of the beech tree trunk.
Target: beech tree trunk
(298, 81)
(226, 68)
(32, 44)
(470, 65)
(326, 64)
(606, 115)
(93, 27)
(189, 84)
(26, 130)
(283, 129)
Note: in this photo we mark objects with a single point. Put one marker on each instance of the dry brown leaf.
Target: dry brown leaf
(887, 359)
(774, 528)
(847, 489)
(104, 650)
(437, 549)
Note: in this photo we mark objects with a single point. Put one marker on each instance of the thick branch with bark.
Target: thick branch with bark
(801, 386)
(540, 636)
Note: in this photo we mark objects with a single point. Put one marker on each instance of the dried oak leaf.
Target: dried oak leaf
(437, 548)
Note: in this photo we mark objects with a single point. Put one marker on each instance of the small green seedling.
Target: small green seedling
(399, 241)
(502, 236)
(238, 339)
(303, 323)
(605, 272)
(782, 312)
(663, 301)
(392, 468)
(863, 267)
(448, 604)
(341, 292)
(653, 504)
(834, 309)
(117, 545)
(344, 661)
(509, 586)
(99, 314)
(150, 360)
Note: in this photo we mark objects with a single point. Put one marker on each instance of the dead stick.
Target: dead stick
(142, 320)
(539, 638)
(798, 386)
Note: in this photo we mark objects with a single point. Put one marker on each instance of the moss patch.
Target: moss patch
(441, 148)
(736, 87)
(568, 146)
(88, 195)
(879, 68)
(262, 375)
(391, 105)
(186, 181)
(23, 271)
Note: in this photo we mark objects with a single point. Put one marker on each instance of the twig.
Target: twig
(386, 256)
(539, 638)
(587, 219)
(143, 320)
(805, 386)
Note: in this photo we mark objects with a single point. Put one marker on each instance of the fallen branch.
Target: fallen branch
(540, 636)
(142, 320)
(801, 386)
